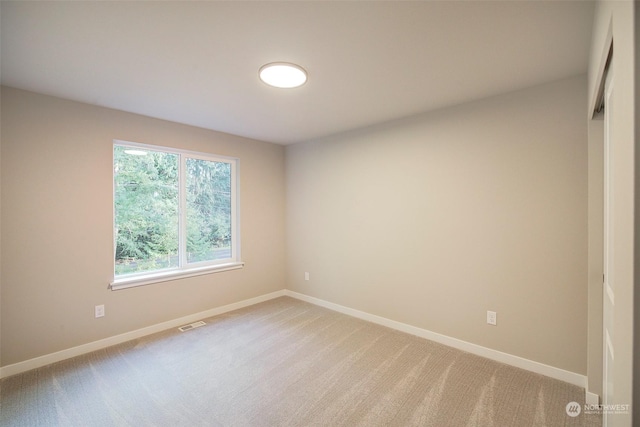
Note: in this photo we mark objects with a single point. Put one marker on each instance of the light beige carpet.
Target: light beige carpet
(285, 363)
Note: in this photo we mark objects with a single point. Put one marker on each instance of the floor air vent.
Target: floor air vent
(191, 326)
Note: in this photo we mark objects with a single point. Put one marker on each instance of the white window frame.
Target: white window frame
(184, 269)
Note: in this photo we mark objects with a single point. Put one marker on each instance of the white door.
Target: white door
(608, 296)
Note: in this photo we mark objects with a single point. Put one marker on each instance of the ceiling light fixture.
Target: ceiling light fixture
(283, 75)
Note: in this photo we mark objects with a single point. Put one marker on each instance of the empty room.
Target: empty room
(327, 213)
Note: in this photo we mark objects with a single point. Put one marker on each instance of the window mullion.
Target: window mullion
(182, 222)
(235, 241)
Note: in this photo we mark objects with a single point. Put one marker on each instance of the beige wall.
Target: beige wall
(57, 225)
(434, 220)
(617, 18)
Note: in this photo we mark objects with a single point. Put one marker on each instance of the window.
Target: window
(175, 214)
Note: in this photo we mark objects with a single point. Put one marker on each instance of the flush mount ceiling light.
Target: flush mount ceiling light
(283, 75)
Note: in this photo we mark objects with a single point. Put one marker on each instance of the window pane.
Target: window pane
(208, 210)
(146, 210)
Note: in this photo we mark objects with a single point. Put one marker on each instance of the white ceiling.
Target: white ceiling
(368, 62)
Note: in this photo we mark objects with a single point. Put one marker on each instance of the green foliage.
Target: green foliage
(147, 210)
(208, 208)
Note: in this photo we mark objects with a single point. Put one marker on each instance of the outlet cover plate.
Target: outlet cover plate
(99, 311)
(492, 318)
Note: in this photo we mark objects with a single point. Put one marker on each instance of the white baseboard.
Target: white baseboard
(509, 359)
(48, 359)
(591, 398)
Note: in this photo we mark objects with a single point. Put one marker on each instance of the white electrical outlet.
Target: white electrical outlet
(99, 311)
(492, 318)
(306, 275)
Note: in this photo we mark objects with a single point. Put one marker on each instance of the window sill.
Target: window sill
(165, 276)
